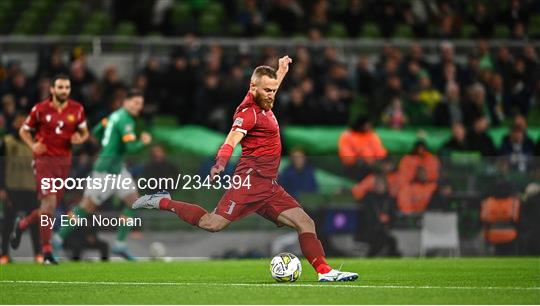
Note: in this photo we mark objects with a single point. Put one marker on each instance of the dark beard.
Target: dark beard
(60, 100)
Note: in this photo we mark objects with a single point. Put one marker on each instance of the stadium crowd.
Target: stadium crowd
(354, 18)
(398, 87)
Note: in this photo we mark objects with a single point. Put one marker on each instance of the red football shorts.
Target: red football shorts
(264, 197)
(50, 167)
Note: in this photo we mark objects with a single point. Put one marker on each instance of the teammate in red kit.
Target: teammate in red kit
(255, 127)
(57, 123)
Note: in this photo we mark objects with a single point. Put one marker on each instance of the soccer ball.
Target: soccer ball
(157, 250)
(285, 267)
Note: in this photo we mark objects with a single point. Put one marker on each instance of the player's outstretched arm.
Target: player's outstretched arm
(283, 68)
(225, 151)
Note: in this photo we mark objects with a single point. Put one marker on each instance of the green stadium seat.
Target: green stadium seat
(92, 28)
(58, 28)
(73, 6)
(126, 29)
(337, 30)
(97, 24)
(535, 20)
(28, 23)
(502, 31)
(271, 29)
(198, 5)
(468, 30)
(534, 32)
(209, 24)
(404, 31)
(235, 29)
(370, 30)
(216, 9)
(181, 13)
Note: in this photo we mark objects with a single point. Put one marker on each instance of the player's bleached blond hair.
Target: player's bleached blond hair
(261, 71)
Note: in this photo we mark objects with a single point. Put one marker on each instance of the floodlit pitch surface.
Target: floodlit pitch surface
(393, 281)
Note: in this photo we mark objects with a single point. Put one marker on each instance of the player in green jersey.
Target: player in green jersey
(117, 135)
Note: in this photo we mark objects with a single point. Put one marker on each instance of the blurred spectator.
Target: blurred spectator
(517, 13)
(365, 82)
(333, 107)
(388, 18)
(287, 14)
(359, 146)
(416, 16)
(299, 176)
(318, 17)
(425, 99)
(475, 105)
(251, 18)
(300, 109)
(520, 87)
(394, 116)
(86, 238)
(354, 17)
(442, 197)
(497, 99)
(208, 105)
(414, 196)
(479, 140)
(529, 225)
(51, 63)
(503, 61)
(9, 112)
(518, 148)
(457, 142)
(419, 159)
(384, 174)
(19, 88)
(500, 216)
(159, 166)
(110, 80)
(483, 21)
(449, 111)
(391, 90)
(179, 86)
(376, 214)
(17, 186)
(81, 79)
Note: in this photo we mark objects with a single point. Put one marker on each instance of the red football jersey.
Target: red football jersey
(54, 127)
(261, 145)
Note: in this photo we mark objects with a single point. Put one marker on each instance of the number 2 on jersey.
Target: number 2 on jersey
(58, 129)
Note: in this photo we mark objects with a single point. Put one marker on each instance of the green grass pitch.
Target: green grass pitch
(382, 281)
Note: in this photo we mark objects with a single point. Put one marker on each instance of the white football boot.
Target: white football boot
(150, 201)
(338, 276)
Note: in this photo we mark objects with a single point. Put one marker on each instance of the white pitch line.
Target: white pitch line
(38, 282)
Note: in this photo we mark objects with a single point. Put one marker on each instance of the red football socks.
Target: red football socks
(190, 213)
(30, 219)
(45, 233)
(313, 251)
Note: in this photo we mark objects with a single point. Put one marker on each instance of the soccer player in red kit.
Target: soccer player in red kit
(57, 123)
(255, 127)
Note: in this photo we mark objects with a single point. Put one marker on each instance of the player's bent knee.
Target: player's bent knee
(307, 225)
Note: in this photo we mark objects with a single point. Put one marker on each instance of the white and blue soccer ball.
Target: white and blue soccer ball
(285, 267)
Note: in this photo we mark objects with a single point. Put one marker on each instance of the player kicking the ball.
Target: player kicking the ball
(58, 123)
(255, 127)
